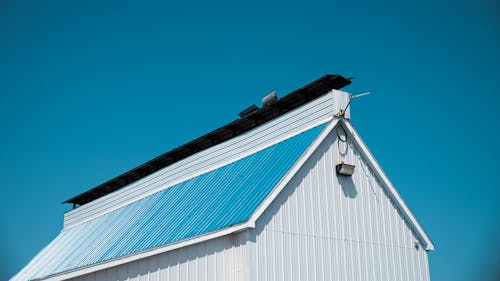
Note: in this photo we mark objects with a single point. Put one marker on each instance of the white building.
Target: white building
(261, 198)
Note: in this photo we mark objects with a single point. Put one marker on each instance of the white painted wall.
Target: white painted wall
(325, 227)
(222, 259)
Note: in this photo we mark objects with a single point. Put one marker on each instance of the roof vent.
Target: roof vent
(249, 110)
(269, 99)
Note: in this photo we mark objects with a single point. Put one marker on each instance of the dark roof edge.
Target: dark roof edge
(284, 104)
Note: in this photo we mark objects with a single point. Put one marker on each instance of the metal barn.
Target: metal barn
(289, 191)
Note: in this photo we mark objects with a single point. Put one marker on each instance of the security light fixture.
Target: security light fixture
(345, 169)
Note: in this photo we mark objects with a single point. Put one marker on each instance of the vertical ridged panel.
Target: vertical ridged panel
(213, 260)
(328, 227)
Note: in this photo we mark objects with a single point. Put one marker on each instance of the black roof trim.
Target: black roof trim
(247, 122)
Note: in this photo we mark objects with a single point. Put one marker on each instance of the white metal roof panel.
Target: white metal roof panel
(200, 205)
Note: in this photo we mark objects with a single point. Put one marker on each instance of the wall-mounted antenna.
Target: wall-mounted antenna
(342, 111)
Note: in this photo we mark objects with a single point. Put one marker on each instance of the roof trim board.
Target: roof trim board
(147, 253)
(429, 246)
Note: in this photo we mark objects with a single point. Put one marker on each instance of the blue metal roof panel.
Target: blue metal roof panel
(203, 204)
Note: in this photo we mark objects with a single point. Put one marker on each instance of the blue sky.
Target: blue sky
(89, 90)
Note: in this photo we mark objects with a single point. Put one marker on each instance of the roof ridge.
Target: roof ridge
(258, 117)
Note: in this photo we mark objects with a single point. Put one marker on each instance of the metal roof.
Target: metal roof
(235, 128)
(212, 201)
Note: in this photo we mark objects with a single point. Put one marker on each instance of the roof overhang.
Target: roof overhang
(148, 253)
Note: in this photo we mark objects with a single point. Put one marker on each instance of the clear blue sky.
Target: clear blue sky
(89, 90)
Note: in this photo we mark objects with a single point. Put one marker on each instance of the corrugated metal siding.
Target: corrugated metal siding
(325, 227)
(221, 259)
(211, 201)
(317, 111)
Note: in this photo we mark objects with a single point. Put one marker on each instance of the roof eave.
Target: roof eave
(147, 253)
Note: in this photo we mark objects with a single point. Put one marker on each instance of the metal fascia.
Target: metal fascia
(151, 252)
(429, 246)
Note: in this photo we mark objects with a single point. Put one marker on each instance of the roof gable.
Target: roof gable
(207, 203)
(371, 161)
